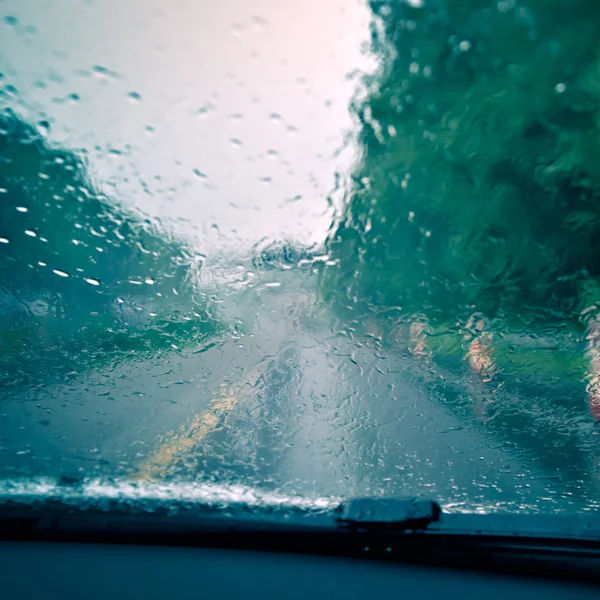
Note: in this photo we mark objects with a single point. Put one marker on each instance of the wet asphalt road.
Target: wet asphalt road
(287, 405)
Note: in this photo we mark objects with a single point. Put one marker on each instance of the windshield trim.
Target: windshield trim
(550, 546)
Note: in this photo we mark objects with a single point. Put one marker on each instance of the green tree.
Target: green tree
(478, 189)
(82, 281)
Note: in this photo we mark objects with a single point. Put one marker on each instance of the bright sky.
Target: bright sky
(225, 116)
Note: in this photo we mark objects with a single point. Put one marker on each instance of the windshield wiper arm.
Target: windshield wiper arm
(389, 514)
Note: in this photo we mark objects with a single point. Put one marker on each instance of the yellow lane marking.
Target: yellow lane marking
(179, 442)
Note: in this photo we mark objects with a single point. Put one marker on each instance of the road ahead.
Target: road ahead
(282, 403)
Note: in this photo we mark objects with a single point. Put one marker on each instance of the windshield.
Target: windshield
(312, 248)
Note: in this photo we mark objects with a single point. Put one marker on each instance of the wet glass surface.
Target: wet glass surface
(313, 248)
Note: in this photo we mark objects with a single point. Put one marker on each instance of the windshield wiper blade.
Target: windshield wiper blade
(207, 506)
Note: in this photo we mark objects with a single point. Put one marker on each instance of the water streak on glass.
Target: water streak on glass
(311, 249)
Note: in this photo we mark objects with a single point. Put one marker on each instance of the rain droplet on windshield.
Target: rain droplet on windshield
(43, 128)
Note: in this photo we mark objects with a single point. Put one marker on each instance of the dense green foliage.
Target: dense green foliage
(82, 282)
(479, 187)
